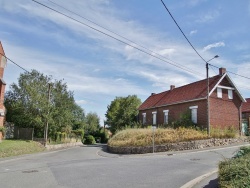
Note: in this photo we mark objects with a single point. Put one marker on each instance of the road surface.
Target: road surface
(91, 167)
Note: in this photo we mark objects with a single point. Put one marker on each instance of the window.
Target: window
(230, 94)
(143, 118)
(194, 113)
(165, 116)
(154, 117)
(219, 92)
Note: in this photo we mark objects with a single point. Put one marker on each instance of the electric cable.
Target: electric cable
(14, 62)
(183, 32)
(176, 65)
(119, 35)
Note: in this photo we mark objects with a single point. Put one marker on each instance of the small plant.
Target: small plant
(89, 140)
(2, 130)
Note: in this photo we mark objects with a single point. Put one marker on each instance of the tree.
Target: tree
(122, 112)
(27, 104)
(92, 123)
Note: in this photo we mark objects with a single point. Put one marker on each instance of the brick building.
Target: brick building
(2, 87)
(246, 113)
(224, 99)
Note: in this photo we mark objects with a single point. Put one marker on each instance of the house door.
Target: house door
(244, 128)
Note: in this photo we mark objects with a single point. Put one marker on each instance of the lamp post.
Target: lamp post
(47, 121)
(208, 104)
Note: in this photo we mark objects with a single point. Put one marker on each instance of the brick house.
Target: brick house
(246, 113)
(2, 87)
(224, 98)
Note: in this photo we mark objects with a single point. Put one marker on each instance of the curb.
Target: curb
(195, 181)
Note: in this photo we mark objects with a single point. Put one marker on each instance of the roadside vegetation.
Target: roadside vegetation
(235, 172)
(19, 147)
(37, 99)
(143, 137)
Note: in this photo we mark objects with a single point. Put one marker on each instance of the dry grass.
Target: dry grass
(228, 132)
(143, 137)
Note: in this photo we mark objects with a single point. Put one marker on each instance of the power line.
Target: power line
(174, 64)
(118, 34)
(183, 32)
(193, 46)
(231, 72)
(14, 62)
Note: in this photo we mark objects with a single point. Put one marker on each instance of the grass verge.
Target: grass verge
(143, 137)
(235, 172)
(10, 148)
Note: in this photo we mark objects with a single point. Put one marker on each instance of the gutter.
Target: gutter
(193, 100)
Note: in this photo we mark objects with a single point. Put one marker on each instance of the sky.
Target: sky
(98, 68)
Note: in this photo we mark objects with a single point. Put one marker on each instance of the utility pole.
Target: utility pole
(47, 121)
(208, 103)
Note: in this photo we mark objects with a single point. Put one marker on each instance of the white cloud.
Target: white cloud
(214, 45)
(193, 32)
(81, 102)
(208, 17)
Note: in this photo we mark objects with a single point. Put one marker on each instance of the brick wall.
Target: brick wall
(175, 112)
(223, 111)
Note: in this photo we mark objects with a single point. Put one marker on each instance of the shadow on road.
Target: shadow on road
(212, 184)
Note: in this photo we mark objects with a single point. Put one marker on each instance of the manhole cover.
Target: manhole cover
(194, 159)
(29, 171)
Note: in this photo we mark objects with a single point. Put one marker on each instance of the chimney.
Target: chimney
(172, 87)
(152, 94)
(222, 71)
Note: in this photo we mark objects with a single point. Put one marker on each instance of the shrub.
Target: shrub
(2, 129)
(89, 140)
(235, 172)
(102, 135)
(78, 133)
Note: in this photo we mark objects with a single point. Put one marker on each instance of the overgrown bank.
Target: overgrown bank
(132, 141)
(235, 172)
(10, 148)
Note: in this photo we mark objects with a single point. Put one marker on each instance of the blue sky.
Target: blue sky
(98, 68)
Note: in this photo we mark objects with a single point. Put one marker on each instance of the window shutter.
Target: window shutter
(219, 92)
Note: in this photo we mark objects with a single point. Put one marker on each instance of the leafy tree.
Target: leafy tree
(122, 112)
(28, 105)
(92, 121)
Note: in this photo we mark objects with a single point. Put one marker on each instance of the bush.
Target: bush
(2, 129)
(102, 136)
(235, 172)
(89, 140)
(78, 133)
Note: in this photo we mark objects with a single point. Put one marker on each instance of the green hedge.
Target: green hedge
(235, 172)
(89, 140)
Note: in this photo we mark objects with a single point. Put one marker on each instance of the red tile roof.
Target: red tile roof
(246, 106)
(196, 90)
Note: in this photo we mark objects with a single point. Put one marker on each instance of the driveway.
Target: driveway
(92, 167)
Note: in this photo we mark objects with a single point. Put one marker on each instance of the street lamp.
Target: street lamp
(208, 105)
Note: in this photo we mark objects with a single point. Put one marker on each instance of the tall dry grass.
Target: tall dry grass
(143, 137)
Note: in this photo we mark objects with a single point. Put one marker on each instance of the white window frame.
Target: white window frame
(144, 118)
(194, 113)
(230, 94)
(219, 92)
(165, 112)
(154, 117)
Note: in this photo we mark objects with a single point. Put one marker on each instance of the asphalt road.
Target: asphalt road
(91, 167)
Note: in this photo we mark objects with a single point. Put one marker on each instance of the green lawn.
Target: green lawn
(10, 148)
